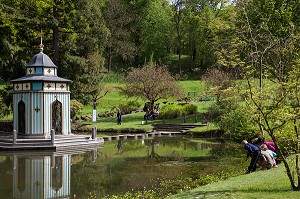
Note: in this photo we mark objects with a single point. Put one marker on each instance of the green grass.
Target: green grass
(271, 184)
(134, 121)
(116, 97)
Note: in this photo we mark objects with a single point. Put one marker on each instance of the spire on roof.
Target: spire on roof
(41, 45)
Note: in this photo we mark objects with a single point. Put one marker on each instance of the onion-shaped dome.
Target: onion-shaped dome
(41, 59)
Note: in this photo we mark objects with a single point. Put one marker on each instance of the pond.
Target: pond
(118, 167)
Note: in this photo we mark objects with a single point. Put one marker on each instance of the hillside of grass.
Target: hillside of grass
(192, 89)
(267, 184)
(133, 122)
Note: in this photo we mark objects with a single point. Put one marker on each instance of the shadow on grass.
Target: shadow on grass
(240, 193)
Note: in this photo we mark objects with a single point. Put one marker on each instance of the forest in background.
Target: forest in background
(113, 35)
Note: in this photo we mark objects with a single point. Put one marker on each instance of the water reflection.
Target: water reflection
(37, 174)
(41, 176)
(120, 166)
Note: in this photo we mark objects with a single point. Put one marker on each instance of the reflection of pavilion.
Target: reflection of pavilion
(38, 175)
(41, 176)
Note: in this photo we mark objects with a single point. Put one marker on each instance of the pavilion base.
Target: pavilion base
(70, 141)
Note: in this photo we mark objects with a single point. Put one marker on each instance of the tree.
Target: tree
(152, 82)
(90, 85)
(156, 29)
(118, 20)
(178, 6)
(266, 50)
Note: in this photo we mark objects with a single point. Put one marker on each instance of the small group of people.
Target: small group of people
(262, 153)
(151, 114)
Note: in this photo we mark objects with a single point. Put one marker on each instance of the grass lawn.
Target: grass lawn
(271, 184)
(134, 121)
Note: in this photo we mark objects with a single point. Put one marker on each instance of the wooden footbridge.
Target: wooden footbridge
(158, 131)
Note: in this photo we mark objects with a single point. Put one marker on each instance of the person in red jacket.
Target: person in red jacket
(261, 140)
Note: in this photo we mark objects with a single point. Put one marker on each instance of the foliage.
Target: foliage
(266, 45)
(3, 109)
(172, 111)
(6, 100)
(216, 81)
(129, 107)
(119, 43)
(75, 108)
(156, 30)
(90, 86)
(122, 32)
(152, 82)
(234, 119)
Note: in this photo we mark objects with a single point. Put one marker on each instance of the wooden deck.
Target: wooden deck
(60, 142)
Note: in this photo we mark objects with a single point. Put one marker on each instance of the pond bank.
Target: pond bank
(267, 184)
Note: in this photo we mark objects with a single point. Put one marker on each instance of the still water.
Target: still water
(118, 167)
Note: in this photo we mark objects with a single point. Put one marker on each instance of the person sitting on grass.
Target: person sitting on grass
(264, 147)
(254, 153)
(265, 161)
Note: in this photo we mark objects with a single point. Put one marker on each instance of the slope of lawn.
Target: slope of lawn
(271, 184)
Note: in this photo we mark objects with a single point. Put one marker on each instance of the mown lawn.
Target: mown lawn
(271, 184)
(192, 89)
(134, 121)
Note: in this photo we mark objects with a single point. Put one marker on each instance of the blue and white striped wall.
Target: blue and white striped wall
(39, 123)
(38, 178)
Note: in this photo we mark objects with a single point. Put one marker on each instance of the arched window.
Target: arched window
(57, 117)
(21, 117)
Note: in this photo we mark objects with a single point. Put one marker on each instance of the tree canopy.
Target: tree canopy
(152, 82)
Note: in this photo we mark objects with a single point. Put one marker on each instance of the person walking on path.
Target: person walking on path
(119, 116)
(254, 153)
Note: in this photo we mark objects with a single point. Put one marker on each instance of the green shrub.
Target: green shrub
(172, 111)
(129, 107)
(234, 119)
(76, 108)
(190, 109)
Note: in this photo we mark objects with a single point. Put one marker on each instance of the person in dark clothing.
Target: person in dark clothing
(254, 153)
(119, 116)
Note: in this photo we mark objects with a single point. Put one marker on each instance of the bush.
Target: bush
(172, 111)
(76, 108)
(189, 109)
(129, 107)
(233, 119)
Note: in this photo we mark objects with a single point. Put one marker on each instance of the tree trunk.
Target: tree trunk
(286, 164)
(109, 58)
(179, 54)
(192, 58)
(152, 105)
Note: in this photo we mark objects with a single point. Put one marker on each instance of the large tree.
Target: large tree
(119, 21)
(266, 49)
(152, 82)
(156, 30)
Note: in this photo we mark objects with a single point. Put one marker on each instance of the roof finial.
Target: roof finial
(41, 45)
